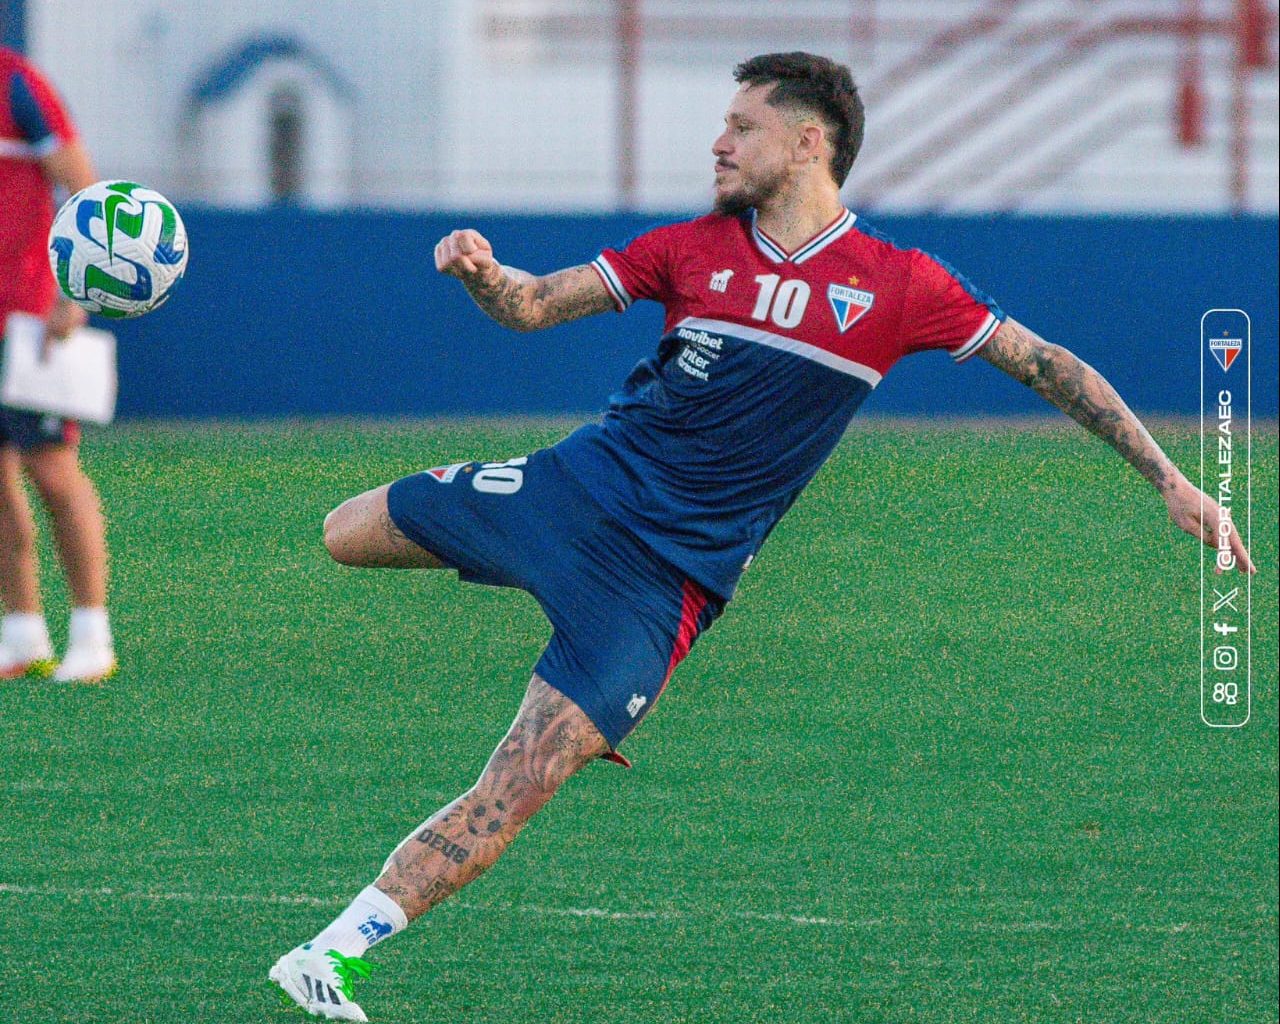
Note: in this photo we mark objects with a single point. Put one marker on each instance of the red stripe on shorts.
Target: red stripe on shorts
(691, 607)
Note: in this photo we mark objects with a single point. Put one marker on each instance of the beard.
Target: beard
(735, 204)
(749, 195)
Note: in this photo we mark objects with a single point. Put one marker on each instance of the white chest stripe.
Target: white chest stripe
(792, 345)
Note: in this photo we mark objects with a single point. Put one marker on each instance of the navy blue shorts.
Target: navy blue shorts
(27, 430)
(622, 617)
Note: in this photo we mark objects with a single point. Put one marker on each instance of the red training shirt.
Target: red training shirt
(33, 123)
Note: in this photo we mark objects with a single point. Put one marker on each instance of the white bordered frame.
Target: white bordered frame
(1226, 621)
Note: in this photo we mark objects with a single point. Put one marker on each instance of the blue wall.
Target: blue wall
(290, 313)
(13, 24)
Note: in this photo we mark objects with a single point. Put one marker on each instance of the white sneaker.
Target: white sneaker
(36, 660)
(321, 983)
(87, 663)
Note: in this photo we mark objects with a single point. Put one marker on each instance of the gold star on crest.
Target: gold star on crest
(853, 280)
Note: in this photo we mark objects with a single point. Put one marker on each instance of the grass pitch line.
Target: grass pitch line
(162, 897)
(108, 893)
(538, 910)
(675, 915)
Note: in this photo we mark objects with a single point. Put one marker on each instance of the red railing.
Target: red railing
(1249, 29)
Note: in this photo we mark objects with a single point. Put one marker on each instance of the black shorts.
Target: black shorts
(27, 430)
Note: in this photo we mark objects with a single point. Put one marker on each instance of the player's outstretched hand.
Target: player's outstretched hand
(1198, 514)
(465, 254)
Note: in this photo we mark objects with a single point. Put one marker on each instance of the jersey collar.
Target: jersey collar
(773, 251)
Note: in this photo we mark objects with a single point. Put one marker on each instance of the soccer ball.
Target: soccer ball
(118, 249)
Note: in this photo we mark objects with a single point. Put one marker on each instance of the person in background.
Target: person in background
(40, 150)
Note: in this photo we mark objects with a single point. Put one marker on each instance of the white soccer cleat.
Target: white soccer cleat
(33, 660)
(321, 983)
(87, 663)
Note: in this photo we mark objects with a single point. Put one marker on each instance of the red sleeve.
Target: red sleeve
(641, 270)
(38, 113)
(943, 310)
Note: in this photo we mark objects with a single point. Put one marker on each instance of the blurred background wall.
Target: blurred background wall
(1139, 105)
(1106, 169)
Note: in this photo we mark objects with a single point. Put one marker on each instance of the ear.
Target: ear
(811, 145)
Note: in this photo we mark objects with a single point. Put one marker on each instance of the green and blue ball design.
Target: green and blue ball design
(118, 248)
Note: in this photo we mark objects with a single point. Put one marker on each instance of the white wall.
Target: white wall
(127, 81)
(493, 103)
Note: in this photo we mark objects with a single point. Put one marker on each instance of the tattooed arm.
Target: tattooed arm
(1082, 393)
(513, 297)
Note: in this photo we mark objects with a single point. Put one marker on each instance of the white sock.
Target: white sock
(372, 917)
(89, 627)
(24, 631)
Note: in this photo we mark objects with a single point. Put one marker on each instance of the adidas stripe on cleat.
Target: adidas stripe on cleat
(321, 983)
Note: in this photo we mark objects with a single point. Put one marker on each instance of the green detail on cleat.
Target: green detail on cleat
(41, 668)
(348, 968)
(113, 670)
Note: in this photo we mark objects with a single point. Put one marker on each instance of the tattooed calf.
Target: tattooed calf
(435, 841)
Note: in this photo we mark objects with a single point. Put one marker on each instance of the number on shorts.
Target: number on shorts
(500, 477)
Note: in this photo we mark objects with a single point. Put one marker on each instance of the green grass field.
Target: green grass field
(940, 762)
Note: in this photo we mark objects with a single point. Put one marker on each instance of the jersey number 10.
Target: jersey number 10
(783, 303)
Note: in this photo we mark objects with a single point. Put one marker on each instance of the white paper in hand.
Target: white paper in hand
(77, 380)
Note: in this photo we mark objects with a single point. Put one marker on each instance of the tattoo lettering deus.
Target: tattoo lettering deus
(435, 841)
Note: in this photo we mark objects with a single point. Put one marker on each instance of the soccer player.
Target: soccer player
(783, 311)
(40, 149)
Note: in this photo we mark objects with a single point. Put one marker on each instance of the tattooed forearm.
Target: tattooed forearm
(505, 296)
(1082, 393)
(519, 300)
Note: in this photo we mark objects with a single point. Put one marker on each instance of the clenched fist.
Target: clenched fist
(466, 255)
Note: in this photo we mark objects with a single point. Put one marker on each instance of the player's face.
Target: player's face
(752, 151)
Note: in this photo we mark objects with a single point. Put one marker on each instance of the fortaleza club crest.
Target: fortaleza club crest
(848, 304)
(1225, 350)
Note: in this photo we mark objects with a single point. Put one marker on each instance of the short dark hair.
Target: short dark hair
(818, 85)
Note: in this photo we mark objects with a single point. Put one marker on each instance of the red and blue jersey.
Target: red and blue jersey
(765, 357)
(33, 124)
